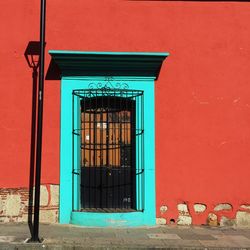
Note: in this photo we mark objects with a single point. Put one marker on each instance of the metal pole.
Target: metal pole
(35, 236)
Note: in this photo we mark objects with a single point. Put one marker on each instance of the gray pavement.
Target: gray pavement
(13, 236)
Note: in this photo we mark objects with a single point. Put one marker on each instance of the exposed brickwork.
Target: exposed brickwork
(14, 204)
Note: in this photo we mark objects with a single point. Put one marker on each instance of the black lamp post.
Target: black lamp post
(35, 59)
(35, 235)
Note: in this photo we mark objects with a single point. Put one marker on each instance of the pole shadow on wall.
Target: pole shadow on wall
(31, 54)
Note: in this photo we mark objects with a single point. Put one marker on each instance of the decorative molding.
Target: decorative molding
(108, 84)
(81, 63)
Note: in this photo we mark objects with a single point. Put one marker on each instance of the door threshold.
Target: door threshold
(108, 210)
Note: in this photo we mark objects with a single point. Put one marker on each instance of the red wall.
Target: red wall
(202, 95)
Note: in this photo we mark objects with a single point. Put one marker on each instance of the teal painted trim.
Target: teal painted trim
(145, 79)
(72, 52)
(83, 63)
(65, 204)
(67, 215)
(132, 219)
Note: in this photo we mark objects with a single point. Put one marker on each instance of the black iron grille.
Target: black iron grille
(110, 134)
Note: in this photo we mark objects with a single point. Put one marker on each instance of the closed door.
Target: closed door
(107, 153)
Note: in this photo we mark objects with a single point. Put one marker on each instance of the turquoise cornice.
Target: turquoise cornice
(81, 63)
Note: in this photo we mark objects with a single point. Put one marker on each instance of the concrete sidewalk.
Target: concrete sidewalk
(13, 236)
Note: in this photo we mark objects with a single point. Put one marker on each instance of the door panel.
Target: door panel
(107, 153)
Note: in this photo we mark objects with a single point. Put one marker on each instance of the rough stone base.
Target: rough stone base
(222, 214)
(14, 207)
(14, 204)
(243, 219)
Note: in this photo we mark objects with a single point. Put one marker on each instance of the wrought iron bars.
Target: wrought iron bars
(108, 150)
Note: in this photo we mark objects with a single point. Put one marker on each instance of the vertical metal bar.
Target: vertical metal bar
(79, 152)
(142, 121)
(125, 150)
(95, 164)
(124, 153)
(107, 152)
(90, 150)
(138, 152)
(119, 155)
(132, 163)
(35, 236)
(140, 156)
(94, 134)
(130, 149)
(73, 147)
(113, 151)
(101, 148)
(83, 189)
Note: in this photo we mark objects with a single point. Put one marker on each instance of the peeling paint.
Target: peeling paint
(223, 206)
(14, 204)
(245, 206)
(199, 208)
(226, 214)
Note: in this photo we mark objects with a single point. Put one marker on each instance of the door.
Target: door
(107, 153)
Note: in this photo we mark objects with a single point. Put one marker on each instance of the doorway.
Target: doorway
(127, 105)
(108, 154)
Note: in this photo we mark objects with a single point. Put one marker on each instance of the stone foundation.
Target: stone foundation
(14, 204)
(14, 207)
(221, 214)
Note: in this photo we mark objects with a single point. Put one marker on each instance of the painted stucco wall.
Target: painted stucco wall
(202, 94)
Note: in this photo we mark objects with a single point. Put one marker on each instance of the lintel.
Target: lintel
(82, 63)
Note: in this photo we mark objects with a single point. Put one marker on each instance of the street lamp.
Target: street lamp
(35, 59)
(35, 235)
(32, 54)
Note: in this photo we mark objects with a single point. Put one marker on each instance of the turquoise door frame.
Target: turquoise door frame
(69, 196)
(138, 70)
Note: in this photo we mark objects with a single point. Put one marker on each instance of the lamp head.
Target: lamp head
(32, 54)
